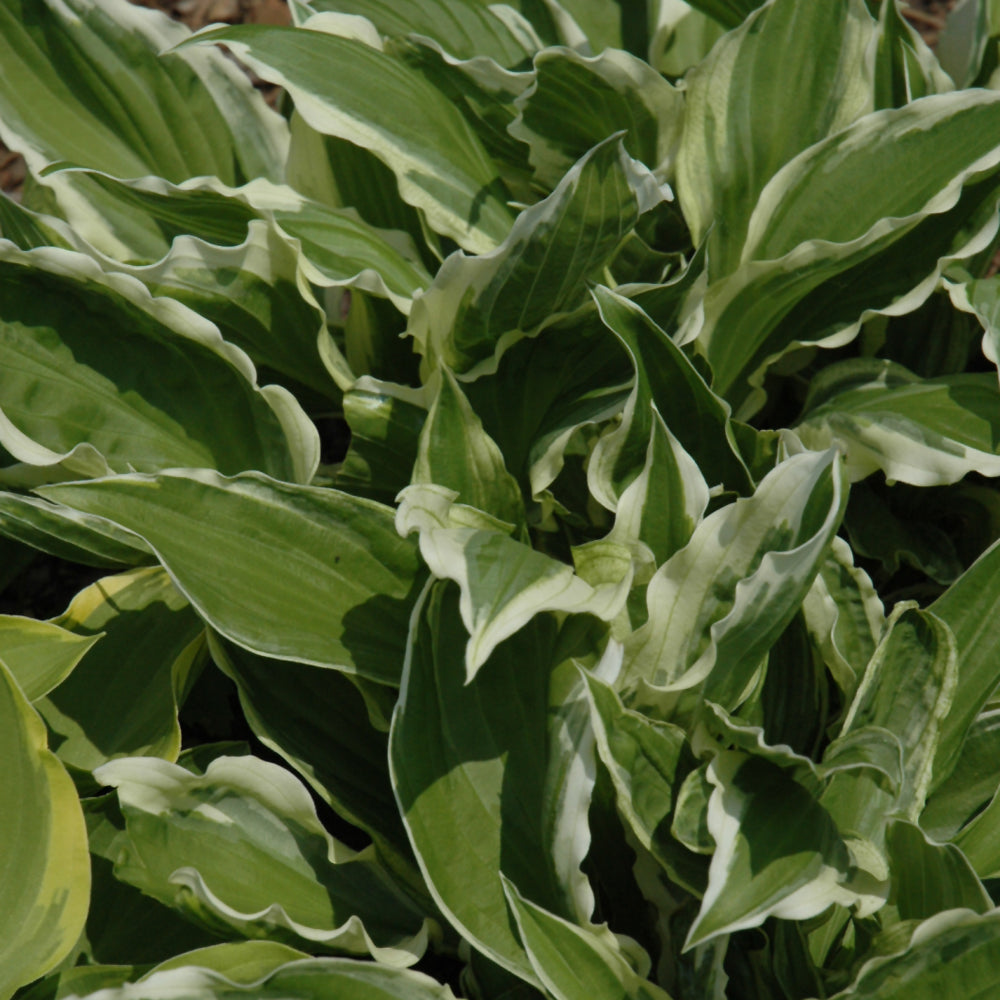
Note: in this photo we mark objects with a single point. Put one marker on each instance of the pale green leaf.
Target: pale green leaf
(477, 307)
(972, 782)
(907, 689)
(123, 698)
(322, 579)
(504, 582)
(645, 759)
(317, 720)
(91, 365)
(455, 452)
(242, 962)
(40, 655)
(917, 972)
(928, 877)
(478, 778)
(969, 607)
(927, 432)
(44, 868)
(69, 534)
(84, 82)
(377, 102)
(306, 979)
(385, 421)
(758, 101)
(464, 29)
(574, 961)
(665, 377)
(844, 615)
(717, 605)
(811, 274)
(241, 849)
(778, 852)
(577, 101)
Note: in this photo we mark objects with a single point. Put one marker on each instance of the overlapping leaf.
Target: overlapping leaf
(439, 163)
(240, 848)
(322, 578)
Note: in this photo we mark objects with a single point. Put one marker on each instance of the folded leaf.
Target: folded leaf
(40, 655)
(717, 605)
(778, 852)
(476, 307)
(578, 101)
(504, 582)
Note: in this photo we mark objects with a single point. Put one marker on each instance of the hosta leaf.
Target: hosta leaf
(666, 378)
(969, 940)
(644, 759)
(927, 432)
(465, 30)
(323, 578)
(844, 615)
(718, 604)
(662, 506)
(778, 852)
(480, 783)
(385, 421)
(240, 848)
(111, 401)
(905, 68)
(80, 980)
(44, 871)
(317, 721)
(476, 307)
(124, 926)
(505, 582)
(40, 655)
(981, 298)
(969, 608)
(306, 979)
(544, 390)
(377, 102)
(122, 700)
(729, 13)
(84, 82)
(729, 149)
(928, 877)
(573, 961)
(799, 277)
(972, 783)
(239, 961)
(69, 534)
(456, 453)
(978, 840)
(907, 689)
(578, 101)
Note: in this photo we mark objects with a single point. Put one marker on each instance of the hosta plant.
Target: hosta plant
(531, 493)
